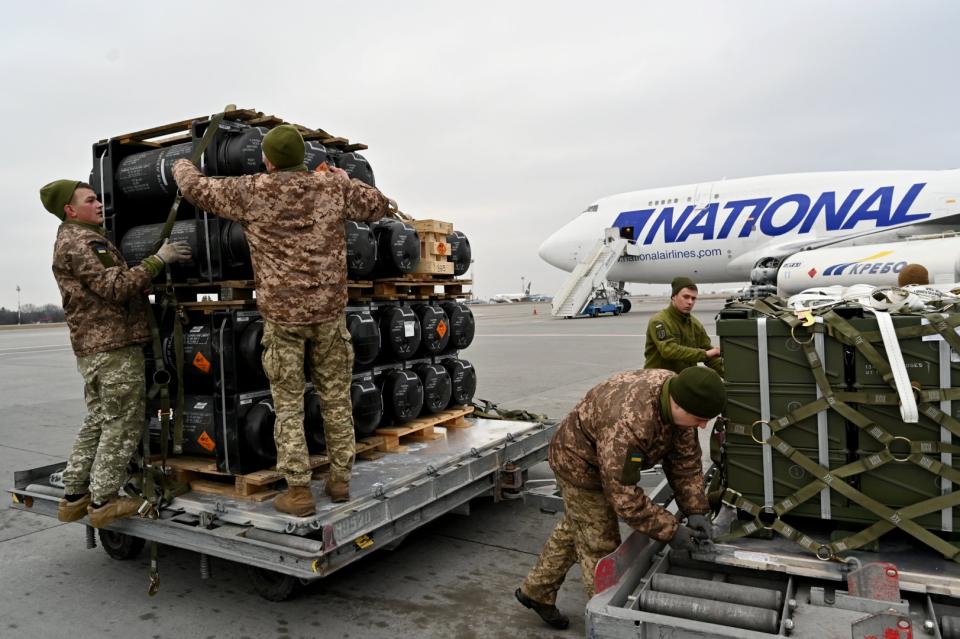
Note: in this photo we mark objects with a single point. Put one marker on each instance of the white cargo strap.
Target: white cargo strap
(764, 368)
(908, 403)
(946, 437)
(823, 439)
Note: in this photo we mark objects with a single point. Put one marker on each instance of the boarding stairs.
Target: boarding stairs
(588, 275)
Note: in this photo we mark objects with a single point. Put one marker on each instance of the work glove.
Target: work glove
(683, 539)
(173, 252)
(702, 527)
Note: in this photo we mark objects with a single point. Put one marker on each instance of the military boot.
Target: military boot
(116, 508)
(297, 501)
(548, 613)
(339, 491)
(68, 511)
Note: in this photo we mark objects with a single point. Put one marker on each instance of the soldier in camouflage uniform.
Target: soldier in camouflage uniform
(105, 309)
(293, 220)
(675, 338)
(627, 424)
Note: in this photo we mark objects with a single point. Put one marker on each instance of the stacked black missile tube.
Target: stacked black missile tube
(407, 357)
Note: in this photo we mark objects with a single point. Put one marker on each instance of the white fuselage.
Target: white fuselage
(717, 231)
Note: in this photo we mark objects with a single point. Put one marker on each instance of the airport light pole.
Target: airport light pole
(18, 304)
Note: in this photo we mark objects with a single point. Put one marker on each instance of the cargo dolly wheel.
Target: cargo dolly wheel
(271, 585)
(119, 545)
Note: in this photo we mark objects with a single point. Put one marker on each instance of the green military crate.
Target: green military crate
(786, 360)
(743, 407)
(744, 470)
(921, 357)
(903, 484)
(888, 418)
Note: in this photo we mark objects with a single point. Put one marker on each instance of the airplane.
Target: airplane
(755, 228)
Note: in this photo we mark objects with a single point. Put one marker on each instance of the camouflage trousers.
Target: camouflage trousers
(330, 352)
(114, 389)
(587, 532)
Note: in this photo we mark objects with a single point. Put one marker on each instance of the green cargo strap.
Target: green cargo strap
(195, 156)
(488, 410)
(178, 320)
(154, 586)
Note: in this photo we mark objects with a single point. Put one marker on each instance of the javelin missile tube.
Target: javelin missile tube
(434, 329)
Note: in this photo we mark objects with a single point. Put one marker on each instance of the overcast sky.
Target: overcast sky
(506, 118)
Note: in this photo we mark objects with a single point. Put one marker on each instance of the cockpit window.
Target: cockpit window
(591, 209)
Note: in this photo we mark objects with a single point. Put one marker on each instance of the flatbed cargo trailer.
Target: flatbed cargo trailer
(757, 588)
(390, 497)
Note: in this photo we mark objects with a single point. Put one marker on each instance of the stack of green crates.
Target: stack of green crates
(902, 484)
(791, 385)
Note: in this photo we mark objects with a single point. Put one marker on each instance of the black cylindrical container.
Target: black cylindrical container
(462, 325)
(464, 379)
(314, 154)
(437, 386)
(240, 153)
(357, 167)
(256, 432)
(367, 407)
(313, 423)
(366, 337)
(235, 252)
(398, 247)
(198, 355)
(361, 249)
(399, 333)
(249, 347)
(434, 329)
(402, 396)
(149, 174)
(139, 241)
(460, 253)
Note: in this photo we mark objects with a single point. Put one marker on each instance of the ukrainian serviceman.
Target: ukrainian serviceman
(675, 338)
(293, 221)
(627, 424)
(106, 312)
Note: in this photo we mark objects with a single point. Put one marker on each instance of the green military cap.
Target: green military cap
(57, 195)
(678, 283)
(283, 146)
(699, 391)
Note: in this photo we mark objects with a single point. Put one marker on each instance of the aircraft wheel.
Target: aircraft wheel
(625, 303)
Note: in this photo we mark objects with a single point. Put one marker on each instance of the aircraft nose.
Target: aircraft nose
(552, 251)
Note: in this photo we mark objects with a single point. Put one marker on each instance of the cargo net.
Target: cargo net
(905, 446)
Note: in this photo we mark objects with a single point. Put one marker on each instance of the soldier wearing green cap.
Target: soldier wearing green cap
(105, 309)
(627, 424)
(675, 338)
(293, 220)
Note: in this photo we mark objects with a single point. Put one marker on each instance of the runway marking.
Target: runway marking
(38, 346)
(49, 350)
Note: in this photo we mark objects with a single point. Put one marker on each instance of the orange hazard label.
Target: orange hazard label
(201, 362)
(205, 441)
(441, 248)
(441, 328)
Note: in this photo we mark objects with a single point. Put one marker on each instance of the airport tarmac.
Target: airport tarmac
(453, 578)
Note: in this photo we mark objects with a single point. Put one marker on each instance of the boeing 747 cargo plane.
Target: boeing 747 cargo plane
(761, 228)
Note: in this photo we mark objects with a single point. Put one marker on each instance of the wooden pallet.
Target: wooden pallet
(179, 132)
(421, 429)
(202, 475)
(225, 290)
(410, 288)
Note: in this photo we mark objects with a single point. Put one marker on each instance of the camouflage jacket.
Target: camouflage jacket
(293, 221)
(103, 298)
(619, 429)
(676, 341)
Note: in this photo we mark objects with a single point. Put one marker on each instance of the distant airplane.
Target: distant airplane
(759, 228)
